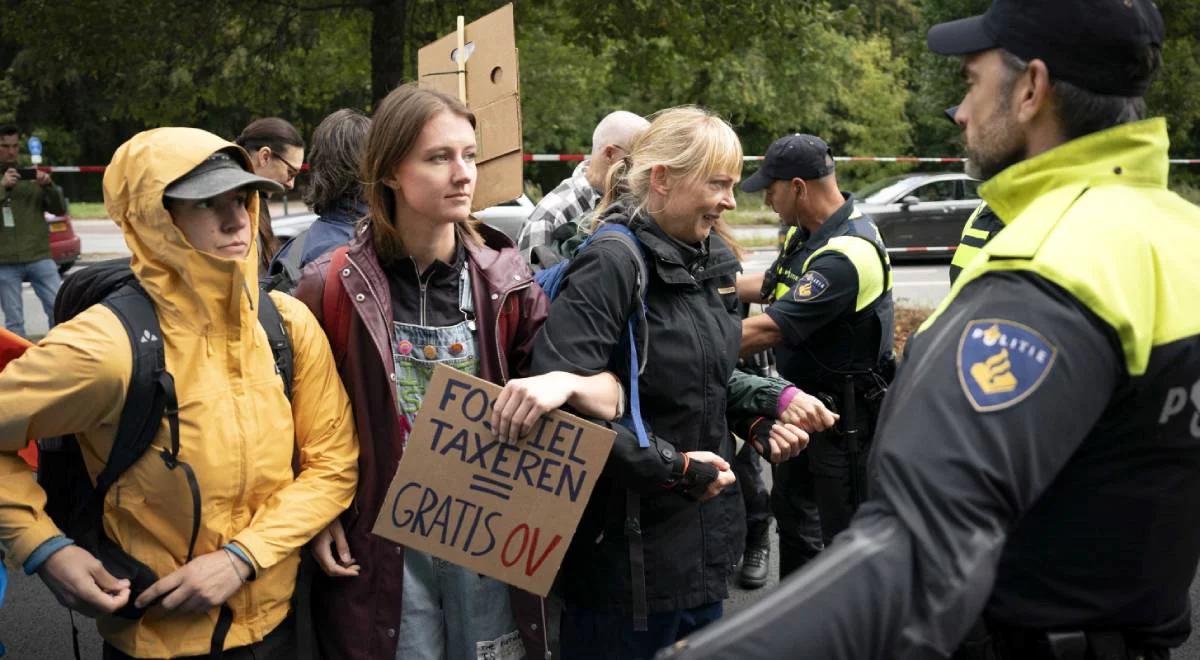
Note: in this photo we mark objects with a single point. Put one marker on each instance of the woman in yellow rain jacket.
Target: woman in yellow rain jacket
(194, 258)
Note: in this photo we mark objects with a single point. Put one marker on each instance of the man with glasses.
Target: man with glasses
(556, 217)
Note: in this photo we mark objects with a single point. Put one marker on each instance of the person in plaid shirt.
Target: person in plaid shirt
(577, 195)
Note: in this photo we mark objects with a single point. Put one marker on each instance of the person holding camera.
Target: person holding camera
(25, 196)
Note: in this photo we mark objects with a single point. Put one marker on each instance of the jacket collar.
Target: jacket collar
(1134, 153)
(345, 211)
(675, 262)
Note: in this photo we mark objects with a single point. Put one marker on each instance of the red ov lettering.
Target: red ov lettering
(531, 564)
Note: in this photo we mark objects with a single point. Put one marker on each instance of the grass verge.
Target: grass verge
(88, 210)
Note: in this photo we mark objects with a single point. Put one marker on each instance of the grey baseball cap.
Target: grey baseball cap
(219, 173)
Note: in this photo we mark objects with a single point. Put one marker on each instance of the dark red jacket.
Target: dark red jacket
(358, 618)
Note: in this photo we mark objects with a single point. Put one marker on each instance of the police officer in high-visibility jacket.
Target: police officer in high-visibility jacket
(1036, 472)
(830, 320)
(980, 228)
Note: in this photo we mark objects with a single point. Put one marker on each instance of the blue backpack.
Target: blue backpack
(551, 280)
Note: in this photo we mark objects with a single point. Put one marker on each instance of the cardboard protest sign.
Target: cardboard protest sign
(480, 61)
(506, 511)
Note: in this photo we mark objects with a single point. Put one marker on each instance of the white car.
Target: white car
(508, 217)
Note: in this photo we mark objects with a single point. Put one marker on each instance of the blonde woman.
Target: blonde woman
(649, 561)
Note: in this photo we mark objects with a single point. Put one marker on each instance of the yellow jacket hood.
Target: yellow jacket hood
(205, 292)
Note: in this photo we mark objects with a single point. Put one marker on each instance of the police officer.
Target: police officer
(1035, 479)
(830, 320)
(980, 228)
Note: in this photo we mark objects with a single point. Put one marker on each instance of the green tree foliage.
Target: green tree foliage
(854, 72)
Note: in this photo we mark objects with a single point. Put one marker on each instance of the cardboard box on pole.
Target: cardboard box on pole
(506, 511)
(493, 93)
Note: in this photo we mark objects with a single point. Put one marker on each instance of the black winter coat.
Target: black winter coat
(694, 335)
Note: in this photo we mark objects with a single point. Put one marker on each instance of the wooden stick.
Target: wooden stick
(462, 60)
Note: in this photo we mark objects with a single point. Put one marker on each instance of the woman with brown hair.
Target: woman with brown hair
(276, 153)
(426, 285)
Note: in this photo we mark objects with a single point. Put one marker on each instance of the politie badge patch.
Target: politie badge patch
(1000, 363)
(809, 287)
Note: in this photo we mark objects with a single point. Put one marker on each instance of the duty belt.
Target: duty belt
(998, 642)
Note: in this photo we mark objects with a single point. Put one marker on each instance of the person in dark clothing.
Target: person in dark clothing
(276, 153)
(1035, 477)
(830, 320)
(334, 193)
(649, 561)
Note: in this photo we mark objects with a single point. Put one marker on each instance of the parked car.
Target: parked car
(508, 217)
(64, 242)
(919, 211)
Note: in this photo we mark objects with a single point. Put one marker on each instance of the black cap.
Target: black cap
(950, 114)
(219, 173)
(1098, 45)
(796, 156)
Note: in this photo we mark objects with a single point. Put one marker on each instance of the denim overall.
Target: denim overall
(447, 611)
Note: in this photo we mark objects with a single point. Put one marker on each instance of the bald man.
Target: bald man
(578, 195)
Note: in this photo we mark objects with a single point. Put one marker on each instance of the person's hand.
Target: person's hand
(329, 540)
(787, 441)
(79, 581)
(42, 178)
(199, 585)
(524, 400)
(808, 413)
(10, 179)
(724, 478)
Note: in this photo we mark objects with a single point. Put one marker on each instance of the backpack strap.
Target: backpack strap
(149, 392)
(285, 273)
(150, 398)
(622, 235)
(277, 337)
(335, 304)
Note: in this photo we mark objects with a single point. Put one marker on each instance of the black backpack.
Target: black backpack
(72, 502)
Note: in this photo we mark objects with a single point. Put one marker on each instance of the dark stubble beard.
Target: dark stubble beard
(998, 145)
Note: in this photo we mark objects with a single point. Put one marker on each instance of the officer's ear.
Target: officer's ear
(799, 188)
(1033, 91)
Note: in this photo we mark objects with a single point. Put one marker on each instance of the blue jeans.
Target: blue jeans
(43, 276)
(604, 635)
(453, 613)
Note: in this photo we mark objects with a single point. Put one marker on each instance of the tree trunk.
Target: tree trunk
(388, 36)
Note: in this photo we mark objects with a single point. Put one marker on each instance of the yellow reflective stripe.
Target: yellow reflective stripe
(865, 257)
(781, 291)
(964, 255)
(981, 234)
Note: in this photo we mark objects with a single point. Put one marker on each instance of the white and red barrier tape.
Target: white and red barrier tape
(917, 250)
(556, 158)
